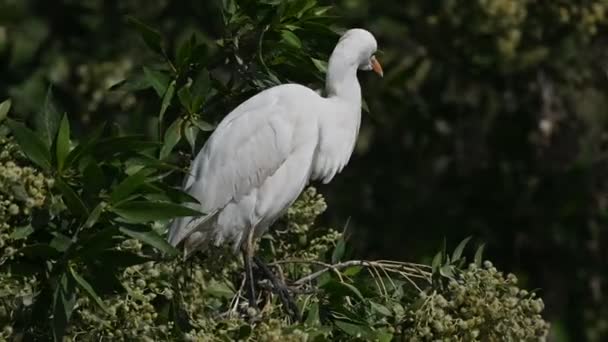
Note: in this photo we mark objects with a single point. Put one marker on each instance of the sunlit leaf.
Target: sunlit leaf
(172, 137)
(158, 80)
(166, 100)
(479, 255)
(291, 39)
(460, 248)
(129, 185)
(5, 106)
(46, 121)
(338, 253)
(83, 284)
(150, 237)
(146, 211)
(63, 142)
(30, 144)
(191, 132)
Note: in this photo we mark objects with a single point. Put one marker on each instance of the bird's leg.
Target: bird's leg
(281, 289)
(247, 258)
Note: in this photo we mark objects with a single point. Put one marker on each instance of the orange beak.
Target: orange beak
(377, 67)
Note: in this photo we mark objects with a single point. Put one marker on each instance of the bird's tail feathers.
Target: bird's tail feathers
(189, 230)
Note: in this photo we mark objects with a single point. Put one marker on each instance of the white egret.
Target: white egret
(262, 155)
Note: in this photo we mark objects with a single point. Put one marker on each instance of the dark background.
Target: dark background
(490, 121)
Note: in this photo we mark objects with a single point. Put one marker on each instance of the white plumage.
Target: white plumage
(262, 154)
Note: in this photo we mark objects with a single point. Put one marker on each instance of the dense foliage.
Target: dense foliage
(489, 122)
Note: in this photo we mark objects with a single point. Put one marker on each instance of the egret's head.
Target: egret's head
(363, 45)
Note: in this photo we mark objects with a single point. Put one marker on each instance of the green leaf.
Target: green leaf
(46, 120)
(460, 248)
(200, 89)
(63, 142)
(5, 106)
(135, 82)
(355, 330)
(339, 289)
(129, 185)
(291, 39)
(352, 271)
(191, 131)
(185, 98)
(83, 148)
(204, 125)
(172, 137)
(22, 232)
(219, 289)
(158, 80)
(321, 65)
(64, 299)
(94, 216)
(150, 237)
(185, 51)
(116, 145)
(436, 262)
(39, 251)
(146, 211)
(150, 36)
(71, 199)
(312, 318)
(83, 284)
(30, 144)
(381, 309)
(338, 252)
(60, 242)
(479, 255)
(166, 101)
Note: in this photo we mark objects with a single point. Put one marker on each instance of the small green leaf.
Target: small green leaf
(150, 36)
(291, 39)
(60, 242)
(191, 131)
(338, 253)
(436, 262)
(219, 289)
(312, 318)
(321, 65)
(150, 237)
(460, 248)
(129, 185)
(72, 200)
(355, 330)
(5, 106)
(63, 142)
(146, 211)
(172, 137)
(158, 80)
(166, 100)
(30, 144)
(88, 289)
(46, 121)
(64, 299)
(185, 98)
(22, 232)
(83, 148)
(479, 255)
(200, 88)
(93, 178)
(381, 309)
(135, 82)
(340, 289)
(94, 216)
(352, 271)
(204, 125)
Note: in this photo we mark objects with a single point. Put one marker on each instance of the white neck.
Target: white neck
(341, 78)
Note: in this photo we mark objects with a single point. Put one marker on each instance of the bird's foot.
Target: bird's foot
(281, 289)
